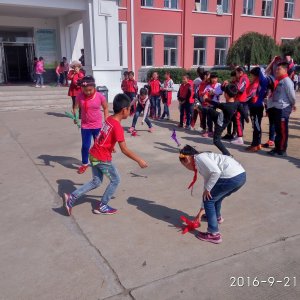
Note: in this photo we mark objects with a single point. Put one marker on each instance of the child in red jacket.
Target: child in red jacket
(154, 93)
(184, 97)
(124, 82)
(132, 89)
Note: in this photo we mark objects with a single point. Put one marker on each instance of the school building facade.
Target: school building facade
(133, 34)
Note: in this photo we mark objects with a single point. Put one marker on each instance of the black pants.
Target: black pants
(256, 114)
(281, 120)
(217, 139)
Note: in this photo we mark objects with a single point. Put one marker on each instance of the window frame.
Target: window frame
(288, 3)
(264, 9)
(198, 50)
(169, 6)
(222, 4)
(246, 8)
(220, 50)
(200, 4)
(144, 3)
(146, 49)
(169, 50)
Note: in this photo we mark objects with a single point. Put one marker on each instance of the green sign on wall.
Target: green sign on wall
(46, 46)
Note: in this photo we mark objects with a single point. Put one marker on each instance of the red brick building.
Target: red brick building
(188, 33)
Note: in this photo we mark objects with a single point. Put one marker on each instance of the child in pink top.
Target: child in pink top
(60, 72)
(39, 71)
(90, 103)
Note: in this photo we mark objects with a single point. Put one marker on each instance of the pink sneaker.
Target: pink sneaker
(131, 130)
(210, 134)
(151, 130)
(208, 237)
(205, 134)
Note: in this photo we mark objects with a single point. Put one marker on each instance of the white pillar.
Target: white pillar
(101, 41)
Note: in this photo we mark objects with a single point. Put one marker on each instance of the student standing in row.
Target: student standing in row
(154, 93)
(242, 84)
(166, 92)
(282, 103)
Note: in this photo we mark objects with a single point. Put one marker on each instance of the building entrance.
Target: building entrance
(16, 56)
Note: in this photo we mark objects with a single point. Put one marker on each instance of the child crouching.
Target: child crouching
(222, 176)
(143, 105)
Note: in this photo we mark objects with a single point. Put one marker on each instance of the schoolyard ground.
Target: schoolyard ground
(140, 253)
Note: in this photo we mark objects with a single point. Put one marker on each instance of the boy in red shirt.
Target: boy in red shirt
(124, 82)
(243, 84)
(101, 158)
(186, 106)
(154, 93)
(132, 89)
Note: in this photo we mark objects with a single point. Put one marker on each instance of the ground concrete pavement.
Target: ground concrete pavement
(139, 253)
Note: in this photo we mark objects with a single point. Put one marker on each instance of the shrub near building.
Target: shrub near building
(177, 73)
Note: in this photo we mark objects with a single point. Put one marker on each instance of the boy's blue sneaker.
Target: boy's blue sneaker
(105, 209)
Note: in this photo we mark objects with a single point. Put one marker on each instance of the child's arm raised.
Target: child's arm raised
(132, 155)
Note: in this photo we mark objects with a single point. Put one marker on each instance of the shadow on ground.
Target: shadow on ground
(65, 161)
(159, 212)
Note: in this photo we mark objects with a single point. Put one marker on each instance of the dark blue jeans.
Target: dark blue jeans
(222, 189)
(86, 136)
(155, 106)
(166, 112)
(138, 111)
(186, 108)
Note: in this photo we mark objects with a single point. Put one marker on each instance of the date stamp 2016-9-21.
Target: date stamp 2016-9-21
(246, 281)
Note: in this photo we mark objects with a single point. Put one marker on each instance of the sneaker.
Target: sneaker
(220, 220)
(238, 141)
(202, 131)
(188, 127)
(210, 134)
(131, 130)
(151, 130)
(227, 137)
(282, 153)
(105, 209)
(82, 169)
(180, 126)
(43, 86)
(67, 204)
(208, 237)
(205, 135)
(37, 86)
(272, 152)
(253, 148)
(269, 144)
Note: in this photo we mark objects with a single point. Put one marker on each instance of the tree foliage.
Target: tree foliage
(291, 48)
(252, 48)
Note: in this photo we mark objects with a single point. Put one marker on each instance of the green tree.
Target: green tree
(291, 48)
(252, 48)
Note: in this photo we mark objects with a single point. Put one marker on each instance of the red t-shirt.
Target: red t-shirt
(111, 133)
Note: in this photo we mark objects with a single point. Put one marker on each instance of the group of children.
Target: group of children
(222, 174)
(149, 99)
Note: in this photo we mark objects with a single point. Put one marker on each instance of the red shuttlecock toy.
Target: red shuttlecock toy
(134, 133)
(191, 225)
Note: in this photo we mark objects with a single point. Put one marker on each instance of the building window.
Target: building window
(267, 8)
(289, 6)
(201, 5)
(221, 51)
(224, 4)
(119, 2)
(172, 4)
(248, 8)
(147, 50)
(199, 51)
(148, 3)
(170, 50)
